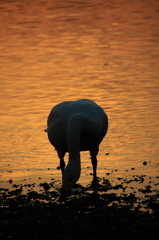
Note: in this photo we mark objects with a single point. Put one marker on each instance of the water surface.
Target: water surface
(53, 51)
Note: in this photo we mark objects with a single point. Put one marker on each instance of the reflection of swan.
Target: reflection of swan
(76, 126)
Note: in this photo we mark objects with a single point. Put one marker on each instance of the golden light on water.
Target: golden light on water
(58, 52)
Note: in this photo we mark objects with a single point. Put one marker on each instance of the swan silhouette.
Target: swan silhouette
(75, 126)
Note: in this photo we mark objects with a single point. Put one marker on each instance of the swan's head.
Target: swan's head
(70, 176)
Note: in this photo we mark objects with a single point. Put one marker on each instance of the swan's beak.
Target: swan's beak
(65, 190)
(63, 196)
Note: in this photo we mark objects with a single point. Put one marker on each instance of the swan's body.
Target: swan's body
(76, 126)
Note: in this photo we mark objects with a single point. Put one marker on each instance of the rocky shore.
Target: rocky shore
(86, 214)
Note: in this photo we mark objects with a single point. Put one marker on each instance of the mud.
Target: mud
(86, 214)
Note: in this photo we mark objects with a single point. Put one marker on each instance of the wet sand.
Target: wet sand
(86, 214)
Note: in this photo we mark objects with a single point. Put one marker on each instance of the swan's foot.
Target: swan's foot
(62, 169)
(95, 183)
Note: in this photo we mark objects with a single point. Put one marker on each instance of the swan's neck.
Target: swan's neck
(76, 123)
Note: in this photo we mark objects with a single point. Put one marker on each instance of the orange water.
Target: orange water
(53, 51)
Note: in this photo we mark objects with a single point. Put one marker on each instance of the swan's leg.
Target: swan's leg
(94, 164)
(62, 162)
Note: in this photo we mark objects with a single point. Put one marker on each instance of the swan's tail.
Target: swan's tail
(46, 130)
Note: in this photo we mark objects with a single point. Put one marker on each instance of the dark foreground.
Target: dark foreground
(85, 215)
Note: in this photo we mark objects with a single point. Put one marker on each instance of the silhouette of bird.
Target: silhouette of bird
(75, 126)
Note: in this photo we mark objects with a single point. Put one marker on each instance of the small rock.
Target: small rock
(10, 181)
(144, 163)
(45, 186)
(119, 178)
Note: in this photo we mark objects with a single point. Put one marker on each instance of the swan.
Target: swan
(75, 126)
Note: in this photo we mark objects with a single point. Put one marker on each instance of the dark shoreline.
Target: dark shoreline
(87, 214)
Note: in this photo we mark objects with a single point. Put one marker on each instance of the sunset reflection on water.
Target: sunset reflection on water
(62, 51)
